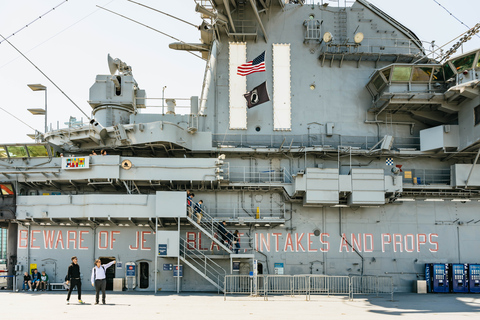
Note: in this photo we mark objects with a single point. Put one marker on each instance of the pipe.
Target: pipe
(473, 167)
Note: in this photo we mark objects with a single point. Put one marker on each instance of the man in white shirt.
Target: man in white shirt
(98, 278)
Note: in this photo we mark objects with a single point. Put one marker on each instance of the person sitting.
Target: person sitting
(27, 282)
(35, 279)
(43, 281)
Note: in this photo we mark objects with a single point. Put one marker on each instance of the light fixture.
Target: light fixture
(282, 225)
(49, 224)
(434, 200)
(405, 199)
(107, 224)
(27, 223)
(340, 206)
(461, 200)
(68, 224)
(257, 225)
(39, 111)
(62, 224)
(267, 225)
(42, 223)
(82, 224)
(87, 224)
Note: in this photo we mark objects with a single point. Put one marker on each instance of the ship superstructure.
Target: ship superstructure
(363, 161)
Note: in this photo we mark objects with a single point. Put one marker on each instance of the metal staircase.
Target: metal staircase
(203, 265)
(209, 227)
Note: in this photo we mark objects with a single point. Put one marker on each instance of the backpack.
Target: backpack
(95, 272)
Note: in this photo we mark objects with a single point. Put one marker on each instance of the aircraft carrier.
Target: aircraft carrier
(358, 156)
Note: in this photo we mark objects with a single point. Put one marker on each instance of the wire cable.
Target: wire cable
(453, 16)
(20, 120)
(118, 14)
(51, 81)
(169, 15)
(28, 24)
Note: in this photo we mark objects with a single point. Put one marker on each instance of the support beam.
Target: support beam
(254, 7)
(229, 15)
(473, 167)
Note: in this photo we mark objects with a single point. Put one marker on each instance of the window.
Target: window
(37, 151)
(476, 114)
(3, 152)
(386, 73)
(378, 82)
(19, 152)
(401, 73)
(6, 189)
(421, 74)
(464, 63)
(438, 75)
(447, 71)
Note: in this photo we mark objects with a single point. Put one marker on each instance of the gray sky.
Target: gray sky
(71, 43)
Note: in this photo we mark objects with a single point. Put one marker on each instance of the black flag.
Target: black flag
(257, 96)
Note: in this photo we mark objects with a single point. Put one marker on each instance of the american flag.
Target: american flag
(256, 65)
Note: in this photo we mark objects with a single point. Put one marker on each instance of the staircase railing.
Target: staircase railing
(211, 227)
(205, 266)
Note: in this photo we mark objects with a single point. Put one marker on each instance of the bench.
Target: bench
(56, 286)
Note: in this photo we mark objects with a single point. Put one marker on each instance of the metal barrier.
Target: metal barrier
(278, 284)
(308, 284)
(243, 284)
(329, 285)
(371, 285)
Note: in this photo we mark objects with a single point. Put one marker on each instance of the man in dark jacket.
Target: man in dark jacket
(73, 277)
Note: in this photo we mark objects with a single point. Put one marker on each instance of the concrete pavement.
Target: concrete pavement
(51, 305)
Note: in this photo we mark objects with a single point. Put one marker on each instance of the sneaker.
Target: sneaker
(29, 289)
(96, 303)
(35, 289)
(68, 302)
(81, 302)
(103, 302)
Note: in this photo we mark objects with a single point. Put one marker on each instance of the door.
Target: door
(144, 275)
(110, 272)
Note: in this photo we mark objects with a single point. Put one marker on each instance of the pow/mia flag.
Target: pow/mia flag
(257, 96)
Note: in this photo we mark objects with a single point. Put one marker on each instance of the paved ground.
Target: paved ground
(136, 306)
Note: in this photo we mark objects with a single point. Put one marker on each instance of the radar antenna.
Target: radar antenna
(117, 64)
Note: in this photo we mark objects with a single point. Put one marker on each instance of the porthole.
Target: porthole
(258, 128)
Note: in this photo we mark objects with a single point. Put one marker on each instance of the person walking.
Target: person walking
(236, 241)
(99, 278)
(73, 278)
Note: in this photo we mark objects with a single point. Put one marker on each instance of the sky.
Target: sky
(70, 45)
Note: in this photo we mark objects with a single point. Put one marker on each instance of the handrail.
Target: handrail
(195, 255)
(209, 224)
